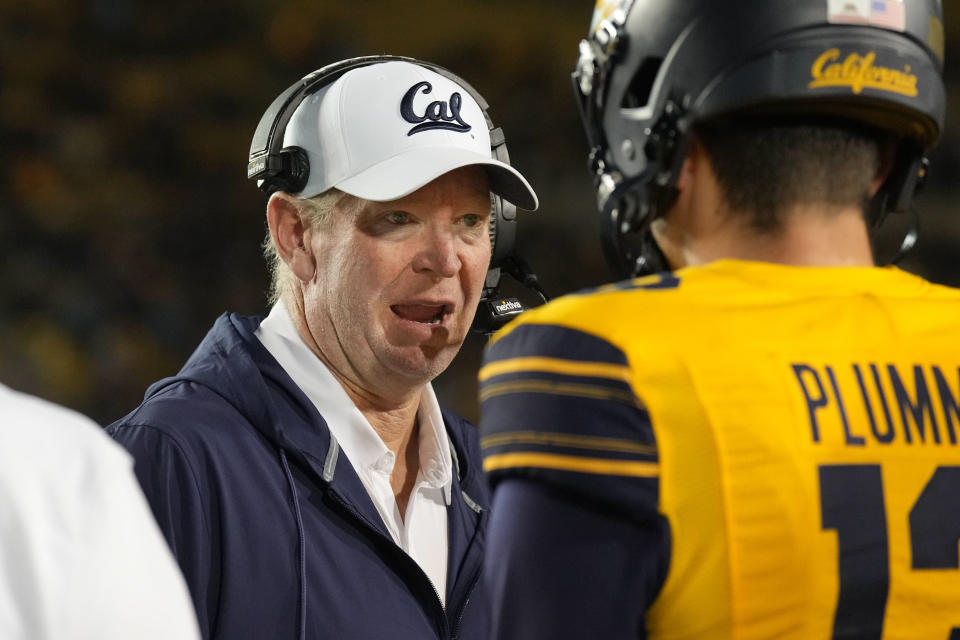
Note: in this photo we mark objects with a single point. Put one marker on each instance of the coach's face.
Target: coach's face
(397, 283)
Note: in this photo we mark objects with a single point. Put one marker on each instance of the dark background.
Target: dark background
(128, 225)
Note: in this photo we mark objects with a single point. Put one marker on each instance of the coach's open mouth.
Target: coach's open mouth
(423, 313)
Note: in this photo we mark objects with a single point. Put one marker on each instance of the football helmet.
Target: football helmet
(650, 69)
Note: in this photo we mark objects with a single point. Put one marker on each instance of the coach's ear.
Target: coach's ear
(291, 234)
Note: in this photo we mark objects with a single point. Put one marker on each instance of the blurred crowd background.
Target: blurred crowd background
(128, 224)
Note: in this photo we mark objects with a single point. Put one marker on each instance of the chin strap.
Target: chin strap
(628, 206)
(910, 238)
(905, 181)
(651, 259)
(625, 217)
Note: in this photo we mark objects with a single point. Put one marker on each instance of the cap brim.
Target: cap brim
(406, 172)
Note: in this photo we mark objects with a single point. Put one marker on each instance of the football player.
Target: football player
(760, 440)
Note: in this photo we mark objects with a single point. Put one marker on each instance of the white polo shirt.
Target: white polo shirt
(422, 530)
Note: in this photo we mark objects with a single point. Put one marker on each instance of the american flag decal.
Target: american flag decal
(888, 14)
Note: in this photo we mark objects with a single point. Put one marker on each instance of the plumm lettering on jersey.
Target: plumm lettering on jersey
(881, 393)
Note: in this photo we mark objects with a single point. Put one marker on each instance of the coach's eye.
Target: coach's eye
(471, 220)
(398, 217)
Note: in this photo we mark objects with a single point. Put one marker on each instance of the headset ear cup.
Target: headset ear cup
(493, 227)
(299, 168)
(503, 230)
(504, 214)
(292, 178)
(292, 173)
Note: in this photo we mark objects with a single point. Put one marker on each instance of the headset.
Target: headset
(279, 168)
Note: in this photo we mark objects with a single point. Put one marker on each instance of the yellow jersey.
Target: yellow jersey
(796, 428)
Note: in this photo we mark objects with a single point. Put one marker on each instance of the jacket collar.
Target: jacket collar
(233, 362)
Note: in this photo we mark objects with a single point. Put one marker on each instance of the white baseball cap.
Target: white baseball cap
(382, 131)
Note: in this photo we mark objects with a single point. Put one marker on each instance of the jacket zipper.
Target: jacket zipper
(445, 626)
(476, 576)
(463, 609)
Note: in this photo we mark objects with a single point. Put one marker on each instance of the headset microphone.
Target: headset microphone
(495, 311)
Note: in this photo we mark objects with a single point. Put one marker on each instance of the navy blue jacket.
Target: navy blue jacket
(271, 526)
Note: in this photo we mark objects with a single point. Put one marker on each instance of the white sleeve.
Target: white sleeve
(81, 557)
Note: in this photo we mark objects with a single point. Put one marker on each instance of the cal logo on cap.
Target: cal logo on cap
(439, 114)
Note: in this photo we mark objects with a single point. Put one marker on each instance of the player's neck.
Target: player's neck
(700, 228)
(810, 236)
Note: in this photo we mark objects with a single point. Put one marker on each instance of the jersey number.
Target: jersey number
(851, 499)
